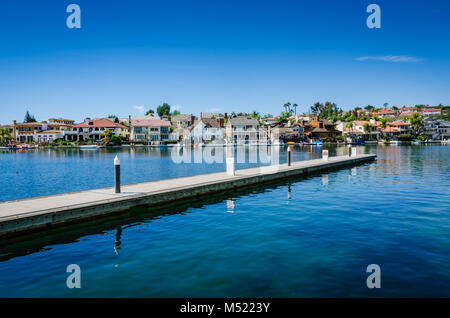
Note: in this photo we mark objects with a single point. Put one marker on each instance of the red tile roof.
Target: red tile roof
(400, 124)
(100, 122)
(389, 129)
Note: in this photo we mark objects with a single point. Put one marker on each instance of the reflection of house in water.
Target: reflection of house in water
(231, 205)
(118, 241)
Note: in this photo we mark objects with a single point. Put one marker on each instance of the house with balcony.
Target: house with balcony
(320, 128)
(31, 132)
(360, 129)
(436, 129)
(431, 111)
(286, 131)
(243, 129)
(207, 130)
(152, 131)
(92, 129)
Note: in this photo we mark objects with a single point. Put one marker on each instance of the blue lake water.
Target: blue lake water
(302, 237)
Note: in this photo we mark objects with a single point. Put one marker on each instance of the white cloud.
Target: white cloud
(140, 108)
(391, 58)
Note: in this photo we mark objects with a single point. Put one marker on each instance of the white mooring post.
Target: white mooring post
(117, 174)
(325, 155)
(354, 151)
(230, 166)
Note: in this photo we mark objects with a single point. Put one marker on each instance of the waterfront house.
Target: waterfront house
(360, 129)
(181, 123)
(244, 129)
(321, 128)
(32, 132)
(436, 129)
(207, 130)
(286, 131)
(150, 130)
(389, 131)
(402, 127)
(94, 128)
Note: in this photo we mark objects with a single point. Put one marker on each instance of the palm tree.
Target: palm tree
(295, 108)
(367, 128)
(417, 122)
(287, 107)
(386, 105)
(383, 123)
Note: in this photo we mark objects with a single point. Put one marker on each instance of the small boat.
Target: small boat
(395, 142)
(4, 148)
(89, 147)
(359, 142)
(446, 141)
(416, 141)
(318, 142)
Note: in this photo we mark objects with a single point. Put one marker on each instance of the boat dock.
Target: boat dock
(32, 214)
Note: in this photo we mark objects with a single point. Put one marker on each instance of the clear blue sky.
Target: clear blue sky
(219, 55)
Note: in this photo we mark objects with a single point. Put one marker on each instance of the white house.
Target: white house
(207, 130)
(244, 129)
(154, 131)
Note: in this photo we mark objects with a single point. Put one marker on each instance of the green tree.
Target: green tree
(106, 136)
(175, 112)
(114, 118)
(5, 136)
(255, 115)
(416, 122)
(383, 123)
(163, 110)
(150, 112)
(287, 107)
(29, 118)
(295, 108)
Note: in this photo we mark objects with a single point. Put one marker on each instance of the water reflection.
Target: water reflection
(118, 242)
(231, 205)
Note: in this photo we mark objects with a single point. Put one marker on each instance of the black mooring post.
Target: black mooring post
(289, 156)
(117, 174)
(349, 150)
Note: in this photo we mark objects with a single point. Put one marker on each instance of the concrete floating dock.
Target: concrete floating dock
(42, 212)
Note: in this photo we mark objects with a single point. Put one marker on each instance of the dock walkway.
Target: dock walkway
(41, 212)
